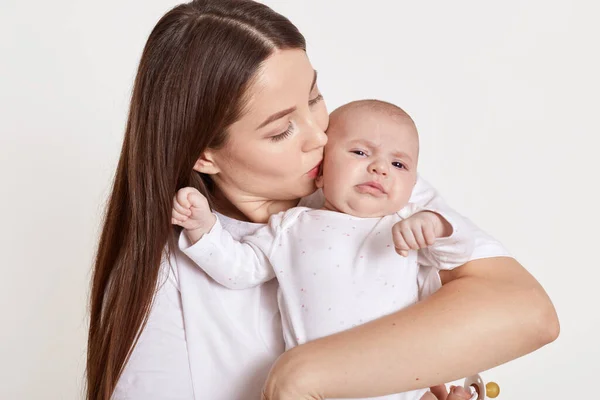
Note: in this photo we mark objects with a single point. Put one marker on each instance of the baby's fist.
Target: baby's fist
(191, 210)
(419, 231)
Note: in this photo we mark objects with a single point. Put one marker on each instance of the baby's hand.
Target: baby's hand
(192, 212)
(419, 231)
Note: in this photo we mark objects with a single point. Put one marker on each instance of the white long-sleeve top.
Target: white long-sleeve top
(335, 271)
(204, 341)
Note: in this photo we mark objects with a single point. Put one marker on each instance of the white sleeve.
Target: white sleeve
(159, 367)
(452, 251)
(234, 264)
(427, 197)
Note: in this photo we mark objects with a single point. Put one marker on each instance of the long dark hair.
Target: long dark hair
(195, 69)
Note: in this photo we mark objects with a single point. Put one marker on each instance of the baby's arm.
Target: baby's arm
(427, 197)
(443, 236)
(233, 264)
(442, 241)
(452, 245)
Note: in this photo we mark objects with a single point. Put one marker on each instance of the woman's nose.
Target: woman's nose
(316, 138)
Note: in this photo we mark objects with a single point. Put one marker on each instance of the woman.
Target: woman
(225, 100)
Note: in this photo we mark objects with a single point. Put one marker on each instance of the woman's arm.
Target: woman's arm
(509, 315)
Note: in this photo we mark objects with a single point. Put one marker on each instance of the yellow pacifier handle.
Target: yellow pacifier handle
(492, 390)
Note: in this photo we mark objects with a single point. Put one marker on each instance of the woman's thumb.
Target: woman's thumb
(459, 393)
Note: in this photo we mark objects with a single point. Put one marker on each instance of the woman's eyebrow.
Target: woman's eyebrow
(314, 81)
(276, 116)
(283, 113)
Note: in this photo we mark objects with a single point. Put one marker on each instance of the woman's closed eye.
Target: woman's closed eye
(284, 134)
(314, 101)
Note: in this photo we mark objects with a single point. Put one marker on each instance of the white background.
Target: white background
(506, 96)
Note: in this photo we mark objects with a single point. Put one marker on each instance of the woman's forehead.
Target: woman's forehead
(283, 81)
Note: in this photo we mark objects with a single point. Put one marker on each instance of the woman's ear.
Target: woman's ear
(206, 164)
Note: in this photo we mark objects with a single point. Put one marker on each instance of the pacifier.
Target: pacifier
(480, 390)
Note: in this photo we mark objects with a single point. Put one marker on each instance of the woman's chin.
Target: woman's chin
(309, 189)
(292, 192)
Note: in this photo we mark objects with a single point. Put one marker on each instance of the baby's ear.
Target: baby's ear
(319, 180)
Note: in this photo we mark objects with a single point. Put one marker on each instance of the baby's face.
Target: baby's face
(370, 164)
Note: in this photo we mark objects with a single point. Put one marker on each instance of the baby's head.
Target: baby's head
(370, 165)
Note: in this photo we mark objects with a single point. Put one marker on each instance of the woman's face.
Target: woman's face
(274, 151)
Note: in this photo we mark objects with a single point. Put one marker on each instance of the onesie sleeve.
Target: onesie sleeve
(234, 264)
(427, 197)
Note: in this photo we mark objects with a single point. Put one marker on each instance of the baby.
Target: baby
(338, 266)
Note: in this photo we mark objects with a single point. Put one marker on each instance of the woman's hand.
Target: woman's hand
(285, 383)
(440, 392)
(505, 304)
(274, 392)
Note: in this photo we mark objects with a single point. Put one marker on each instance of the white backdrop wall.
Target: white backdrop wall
(505, 95)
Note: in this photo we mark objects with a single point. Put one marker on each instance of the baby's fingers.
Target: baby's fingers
(180, 218)
(182, 197)
(417, 232)
(181, 209)
(429, 234)
(399, 243)
(403, 253)
(176, 222)
(409, 237)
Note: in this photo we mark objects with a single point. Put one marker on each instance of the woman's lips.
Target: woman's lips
(372, 187)
(314, 172)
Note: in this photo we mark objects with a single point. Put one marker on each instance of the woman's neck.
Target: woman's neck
(249, 208)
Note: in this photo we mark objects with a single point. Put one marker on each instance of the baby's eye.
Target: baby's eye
(359, 152)
(399, 165)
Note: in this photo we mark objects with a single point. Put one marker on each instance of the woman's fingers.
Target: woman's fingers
(440, 392)
(459, 393)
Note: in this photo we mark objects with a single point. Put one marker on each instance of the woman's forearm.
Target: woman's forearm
(488, 312)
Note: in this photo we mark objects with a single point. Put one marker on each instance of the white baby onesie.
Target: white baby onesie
(335, 271)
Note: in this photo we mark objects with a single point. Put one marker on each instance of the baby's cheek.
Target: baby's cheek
(401, 198)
